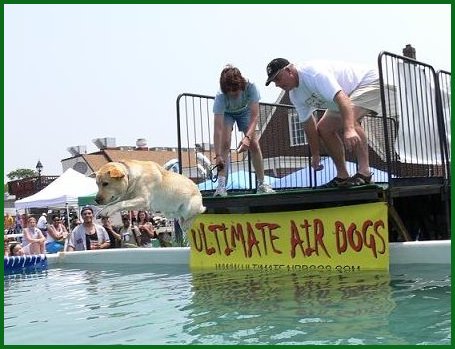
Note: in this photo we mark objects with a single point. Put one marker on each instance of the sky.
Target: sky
(73, 73)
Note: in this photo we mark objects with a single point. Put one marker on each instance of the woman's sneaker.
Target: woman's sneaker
(264, 188)
(220, 191)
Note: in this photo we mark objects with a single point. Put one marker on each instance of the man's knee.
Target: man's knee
(326, 127)
(330, 122)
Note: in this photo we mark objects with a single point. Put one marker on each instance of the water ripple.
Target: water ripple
(168, 305)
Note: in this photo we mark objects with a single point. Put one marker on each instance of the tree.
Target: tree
(21, 173)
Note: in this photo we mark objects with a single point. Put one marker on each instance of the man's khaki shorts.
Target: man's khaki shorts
(368, 97)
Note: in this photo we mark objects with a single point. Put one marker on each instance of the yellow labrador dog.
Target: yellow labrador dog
(138, 185)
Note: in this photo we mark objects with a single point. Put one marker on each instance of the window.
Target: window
(296, 129)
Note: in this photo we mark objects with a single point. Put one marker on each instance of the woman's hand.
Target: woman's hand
(219, 162)
(244, 144)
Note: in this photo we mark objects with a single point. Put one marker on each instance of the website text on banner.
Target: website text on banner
(347, 238)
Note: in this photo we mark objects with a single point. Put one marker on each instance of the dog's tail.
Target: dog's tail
(202, 209)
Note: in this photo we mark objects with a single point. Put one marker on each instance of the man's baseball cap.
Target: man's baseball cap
(274, 67)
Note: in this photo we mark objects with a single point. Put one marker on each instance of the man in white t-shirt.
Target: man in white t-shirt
(42, 224)
(348, 92)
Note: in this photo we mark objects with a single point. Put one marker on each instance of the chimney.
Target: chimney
(409, 51)
(141, 144)
(104, 143)
(77, 150)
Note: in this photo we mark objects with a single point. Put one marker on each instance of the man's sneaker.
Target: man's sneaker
(264, 188)
(220, 191)
(336, 182)
(360, 179)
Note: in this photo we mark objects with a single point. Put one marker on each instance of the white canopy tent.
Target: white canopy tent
(62, 192)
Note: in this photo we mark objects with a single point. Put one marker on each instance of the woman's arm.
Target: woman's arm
(31, 239)
(148, 228)
(41, 237)
(116, 235)
(64, 232)
(53, 232)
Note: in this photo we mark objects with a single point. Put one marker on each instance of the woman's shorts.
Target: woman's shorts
(242, 119)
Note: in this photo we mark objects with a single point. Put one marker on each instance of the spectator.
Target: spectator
(24, 219)
(163, 231)
(56, 235)
(8, 222)
(16, 250)
(237, 102)
(74, 222)
(42, 223)
(18, 224)
(6, 244)
(114, 237)
(88, 235)
(64, 220)
(130, 237)
(348, 92)
(146, 230)
(33, 240)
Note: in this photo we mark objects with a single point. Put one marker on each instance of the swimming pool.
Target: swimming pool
(134, 304)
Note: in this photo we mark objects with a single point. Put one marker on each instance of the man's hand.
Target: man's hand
(316, 163)
(351, 139)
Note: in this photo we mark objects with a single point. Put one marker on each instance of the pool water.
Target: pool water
(171, 305)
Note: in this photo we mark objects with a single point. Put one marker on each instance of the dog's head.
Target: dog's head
(112, 182)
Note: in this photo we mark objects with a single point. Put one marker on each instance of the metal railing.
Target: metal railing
(25, 187)
(410, 95)
(195, 124)
(443, 100)
(410, 140)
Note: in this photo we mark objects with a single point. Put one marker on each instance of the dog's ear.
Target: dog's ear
(116, 173)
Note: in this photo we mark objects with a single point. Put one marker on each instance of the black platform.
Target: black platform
(296, 199)
(417, 210)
